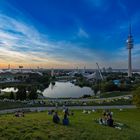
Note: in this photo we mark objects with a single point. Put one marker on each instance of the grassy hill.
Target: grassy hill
(114, 94)
(39, 126)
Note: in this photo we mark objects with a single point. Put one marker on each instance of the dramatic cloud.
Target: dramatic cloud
(22, 43)
(67, 35)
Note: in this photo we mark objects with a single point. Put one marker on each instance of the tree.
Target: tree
(21, 94)
(86, 96)
(12, 96)
(96, 89)
(136, 97)
(33, 93)
(108, 86)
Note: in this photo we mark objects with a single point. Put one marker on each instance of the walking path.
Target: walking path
(38, 109)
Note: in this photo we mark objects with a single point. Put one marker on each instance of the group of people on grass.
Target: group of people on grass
(56, 119)
(107, 120)
(65, 121)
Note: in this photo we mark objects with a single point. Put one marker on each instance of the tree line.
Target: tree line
(23, 93)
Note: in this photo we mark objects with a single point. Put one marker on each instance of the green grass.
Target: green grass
(9, 105)
(39, 126)
(114, 94)
(12, 105)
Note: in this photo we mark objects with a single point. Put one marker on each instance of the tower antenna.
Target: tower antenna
(130, 29)
(129, 47)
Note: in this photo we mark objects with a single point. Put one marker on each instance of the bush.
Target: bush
(108, 86)
(136, 97)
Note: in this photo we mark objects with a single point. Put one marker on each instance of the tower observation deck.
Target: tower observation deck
(129, 47)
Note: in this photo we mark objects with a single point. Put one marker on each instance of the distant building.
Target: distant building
(117, 82)
(52, 72)
(109, 69)
(104, 70)
(9, 67)
(84, 70)
(12, 75)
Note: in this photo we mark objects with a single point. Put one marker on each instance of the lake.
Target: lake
(9, 89)
(66, 89)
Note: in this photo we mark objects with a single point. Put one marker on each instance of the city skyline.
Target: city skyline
(68, 33)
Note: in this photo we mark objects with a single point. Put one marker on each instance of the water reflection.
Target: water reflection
(11, 89)
(66, 89)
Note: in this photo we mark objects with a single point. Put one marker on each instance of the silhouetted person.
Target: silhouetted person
(65, 120)
(50, 112)
(67, 111)
(110, 121)
(56, 119)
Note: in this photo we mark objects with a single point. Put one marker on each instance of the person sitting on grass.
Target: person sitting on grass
(67, 111)
(19, 114)
(103, 120)
(56, 118)
(110, 121)
(65, 120)
(16, 114)
(72, 113)
(50, 112)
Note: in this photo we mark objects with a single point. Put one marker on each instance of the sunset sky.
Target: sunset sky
(68, 33)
